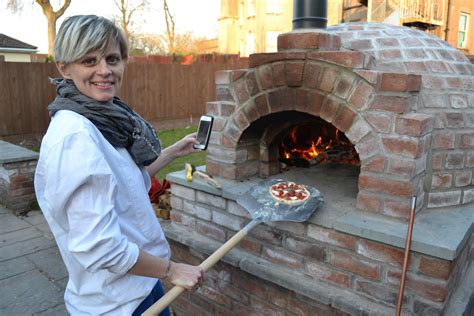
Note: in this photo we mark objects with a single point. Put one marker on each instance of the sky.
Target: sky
(30, 26)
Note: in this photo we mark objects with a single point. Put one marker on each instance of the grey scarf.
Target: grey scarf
(117, 122)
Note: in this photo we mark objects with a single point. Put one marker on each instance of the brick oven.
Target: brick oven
(402, 103)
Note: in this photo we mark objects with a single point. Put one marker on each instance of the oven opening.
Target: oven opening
(313, 143)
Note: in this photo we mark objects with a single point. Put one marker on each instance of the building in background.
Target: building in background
(252, 26)
(15, 50)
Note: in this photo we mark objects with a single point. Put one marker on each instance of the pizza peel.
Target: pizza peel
(263, 208)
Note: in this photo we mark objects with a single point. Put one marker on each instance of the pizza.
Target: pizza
(288, 192)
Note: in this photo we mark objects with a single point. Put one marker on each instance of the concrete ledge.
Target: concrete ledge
(17, 169)
(309, 287)
(13, 153)
(440, 232)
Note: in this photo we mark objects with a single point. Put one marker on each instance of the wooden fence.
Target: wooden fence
(155, 91)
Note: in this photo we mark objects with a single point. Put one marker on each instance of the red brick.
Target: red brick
(250, 245)
(361, 95)
(398, 82)
(265, 77)
(240, 88)
(294, 73)
(380, 121)
(462, 178)
(215, 296)
(264, 58)
(314, 103)
(390, 54)
(454, 120)
(378, 291)
(226, 109)
(367, 148)
(406, 147)
(454, 160)
(382, 185)
(352, 263)
(251, 112)
(404, 168)
(374, 164)
(344, 119)
(328, 79)
(442, 199)
(241, 119)
(281, 100)
(380, 252)
(329, 109)
(441, 181)
(434, 267)
(311, 74)
(361, 44)
(305, 248)
(279, 78)
(283, 257)
(437, 161)
(433, 291)
(414, 124)
(252, 85)
(323, 272)
(267, 235)
(390, 103)
(358, 130)
(352, 59)
(182, 218)
(298, 40)
(212, 231)
(343, 86)
(332, 237)
(443, 140)
(466, 140)
(368, 202)
(397, 208)
(261, 105)
(371, 76)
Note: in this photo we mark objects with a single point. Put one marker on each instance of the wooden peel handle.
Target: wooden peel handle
(172, 294)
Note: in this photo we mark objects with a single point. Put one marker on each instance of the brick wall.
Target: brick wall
(367, 269)
(404, 98)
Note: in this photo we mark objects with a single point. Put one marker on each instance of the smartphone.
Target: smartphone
(204, 132)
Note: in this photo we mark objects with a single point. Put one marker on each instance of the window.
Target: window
(250, 43)
(271, 42)
(463, 29)
(275, 6)
(251, 8)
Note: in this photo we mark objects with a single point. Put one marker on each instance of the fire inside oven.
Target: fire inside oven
(313, 143)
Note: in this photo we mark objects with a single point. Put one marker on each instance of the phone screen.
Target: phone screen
(204, 127)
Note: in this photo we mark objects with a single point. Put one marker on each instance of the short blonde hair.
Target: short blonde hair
(81, 34)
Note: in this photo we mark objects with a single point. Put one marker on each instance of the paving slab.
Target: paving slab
(28, 293)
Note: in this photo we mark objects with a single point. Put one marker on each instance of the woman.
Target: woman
(93, 176)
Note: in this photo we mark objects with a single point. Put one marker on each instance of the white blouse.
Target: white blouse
(95, 200)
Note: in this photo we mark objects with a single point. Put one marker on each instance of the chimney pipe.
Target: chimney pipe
(309, 14)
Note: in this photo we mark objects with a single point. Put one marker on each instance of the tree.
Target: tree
(127, 10)
(48, 11)
(169, 28)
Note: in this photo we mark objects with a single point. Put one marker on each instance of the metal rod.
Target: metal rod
(407, 255)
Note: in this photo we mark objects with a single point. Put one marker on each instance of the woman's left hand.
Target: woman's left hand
(184, 146)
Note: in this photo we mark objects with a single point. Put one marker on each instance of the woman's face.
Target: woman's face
(96, 75)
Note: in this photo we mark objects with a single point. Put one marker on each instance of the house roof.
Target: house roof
(12, 43)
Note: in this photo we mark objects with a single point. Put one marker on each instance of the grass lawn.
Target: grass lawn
(169, 137)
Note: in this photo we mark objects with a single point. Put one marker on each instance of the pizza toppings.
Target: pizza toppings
(289, 192)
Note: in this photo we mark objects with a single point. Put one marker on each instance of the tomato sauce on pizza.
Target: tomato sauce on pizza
(288, 192)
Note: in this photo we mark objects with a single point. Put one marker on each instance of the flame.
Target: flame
(296, 145)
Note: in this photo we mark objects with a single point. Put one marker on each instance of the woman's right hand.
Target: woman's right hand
(185, 275)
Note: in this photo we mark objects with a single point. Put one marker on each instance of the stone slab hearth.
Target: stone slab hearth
(440, 233)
